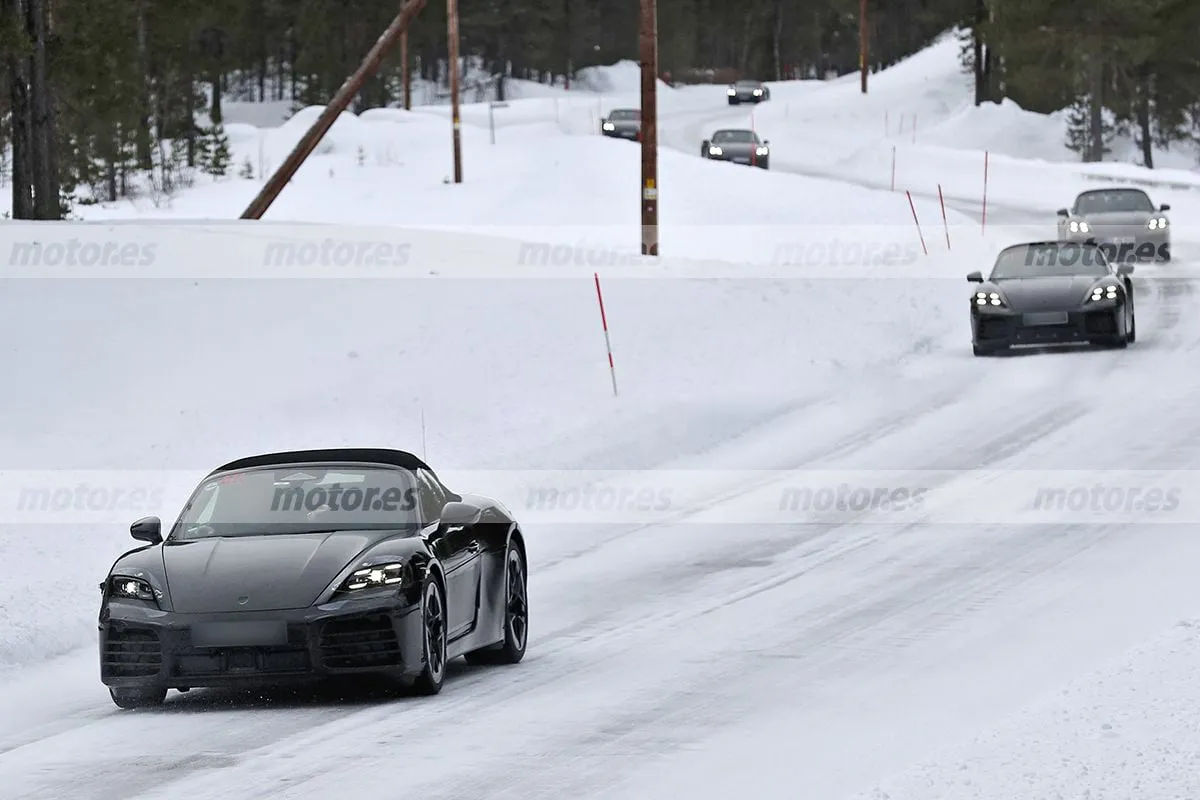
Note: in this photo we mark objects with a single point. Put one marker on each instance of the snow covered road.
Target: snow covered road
(707, 660)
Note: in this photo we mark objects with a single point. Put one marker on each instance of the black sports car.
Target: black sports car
(298, 566)
(1052, 293)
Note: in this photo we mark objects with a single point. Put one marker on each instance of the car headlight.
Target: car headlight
(1079, 227)
(608, 126)
(732, 92)
(1104, 293)
(988, 299)
(374, 577)
(758, 91)
(715, 151)
(1157, 224)
(131, 588)
(762, 151)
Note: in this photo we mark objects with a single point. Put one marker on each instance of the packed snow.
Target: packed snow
(868, 659)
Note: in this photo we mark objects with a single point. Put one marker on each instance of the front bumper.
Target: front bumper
(623, 133)
(1126, 245)
(142, 646)
(747, 98)
(742, 158)
(1003, 328)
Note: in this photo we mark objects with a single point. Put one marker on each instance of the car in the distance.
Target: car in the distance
(1123, 221)
(307, 565)
(747, 92)
(1046, 293)
(623, 123)
(739, 145)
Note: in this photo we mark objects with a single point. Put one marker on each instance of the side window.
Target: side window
(432, 499)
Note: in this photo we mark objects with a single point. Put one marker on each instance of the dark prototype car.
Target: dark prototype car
(623, 123)
(1124, 222)
(738, 146)
(298, 566)
(1052, 293)
(748, 92)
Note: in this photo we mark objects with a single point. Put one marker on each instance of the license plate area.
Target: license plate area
(1046, 318)
(240, 634)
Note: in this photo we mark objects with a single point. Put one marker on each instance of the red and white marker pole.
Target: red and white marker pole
(945, 223)
(607, 341)
(917, 222)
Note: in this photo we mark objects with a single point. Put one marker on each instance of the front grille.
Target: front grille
(364, 642)
(131, 653)
(291, 659)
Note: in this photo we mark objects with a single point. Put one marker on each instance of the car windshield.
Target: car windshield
(1118, 200)
(625, 115)
(304, 499)
(1050, 260)
(730, 137)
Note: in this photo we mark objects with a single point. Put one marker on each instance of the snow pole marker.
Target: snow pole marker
(917, 221)
(607, 341)
(945, 223)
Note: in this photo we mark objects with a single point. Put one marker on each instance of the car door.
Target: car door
(458, 550)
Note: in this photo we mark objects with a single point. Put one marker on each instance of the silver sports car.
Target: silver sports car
(739, 146)
(748, 92)
(1124, 222)
(623, 123)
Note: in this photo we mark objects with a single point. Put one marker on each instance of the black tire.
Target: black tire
(433, 626)
(733, 101)
(764, 164)
(516, 615)
(1131, 334)
(129, 698)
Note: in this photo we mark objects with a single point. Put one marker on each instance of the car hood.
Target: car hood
(1058, 293)
(273, 571)
(625, 123)
(1118, 218)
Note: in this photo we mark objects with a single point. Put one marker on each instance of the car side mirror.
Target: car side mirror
(1165, 207)
(147, 529)
(1062, 212)
(766, 141)
(465, 514)
(975, 277)
(1125, 269)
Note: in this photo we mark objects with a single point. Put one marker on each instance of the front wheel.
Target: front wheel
(125, 697)
(516, 615)
(433, 630)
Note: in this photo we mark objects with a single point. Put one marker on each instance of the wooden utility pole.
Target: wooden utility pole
(648, 41)
(353, 85)
(452, 25)
(862, 42)
(405, 73)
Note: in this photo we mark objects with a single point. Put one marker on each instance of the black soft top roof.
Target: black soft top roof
(346, 455)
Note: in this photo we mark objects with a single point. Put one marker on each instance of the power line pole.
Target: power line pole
(452, 24)
(862, 42)
(648, 41)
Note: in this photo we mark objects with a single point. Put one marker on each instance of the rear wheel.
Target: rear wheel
(433, 629)
(516, 615)
(126, 697)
